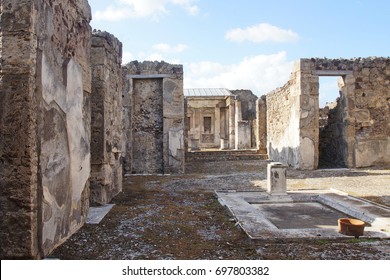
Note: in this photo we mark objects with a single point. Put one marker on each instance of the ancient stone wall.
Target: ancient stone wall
(248, 113)
(360, 124)
(248, 103)
(45, 85)
(261, 125)
(365, 103)
(106, 117)
(154, 106)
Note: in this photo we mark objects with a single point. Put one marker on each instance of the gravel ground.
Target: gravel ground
(178, 217)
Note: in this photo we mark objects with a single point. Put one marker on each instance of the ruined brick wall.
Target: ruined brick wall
(106, 117)
(44, 124)
(283, 121)
(154, 106)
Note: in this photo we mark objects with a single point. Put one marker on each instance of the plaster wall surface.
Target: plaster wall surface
(106, 120)
(44, 123)
(283, 121)
(243, 135)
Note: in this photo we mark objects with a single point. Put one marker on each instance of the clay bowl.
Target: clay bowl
(351, 227)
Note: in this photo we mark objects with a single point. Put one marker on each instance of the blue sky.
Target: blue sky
(249, 44)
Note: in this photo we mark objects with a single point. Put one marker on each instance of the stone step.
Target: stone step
(200, 156)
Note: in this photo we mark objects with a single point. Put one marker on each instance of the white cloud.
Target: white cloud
(127, 57)
(142, 9)
(261, 73)
(329, 90)
(188, 6)
(154, 57)
(112, 14)
(166, 48)
(263, 32)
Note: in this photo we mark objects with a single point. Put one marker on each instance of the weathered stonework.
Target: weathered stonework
(360, 123)
(154, 108)
(44, 124)
(106, 120)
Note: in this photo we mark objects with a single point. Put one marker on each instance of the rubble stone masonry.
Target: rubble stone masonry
(106, 121)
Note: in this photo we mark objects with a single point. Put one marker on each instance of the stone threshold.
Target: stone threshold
(96, 214)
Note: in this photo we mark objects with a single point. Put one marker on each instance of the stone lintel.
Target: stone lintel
(151, 76)
(332, 72)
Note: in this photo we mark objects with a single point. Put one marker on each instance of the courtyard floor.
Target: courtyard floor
(179, 217)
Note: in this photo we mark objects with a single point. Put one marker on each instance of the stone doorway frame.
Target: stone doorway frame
(346, 99)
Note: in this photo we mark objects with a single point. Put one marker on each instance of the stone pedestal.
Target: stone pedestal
(194, 144)
(224, 144)
(276, 178)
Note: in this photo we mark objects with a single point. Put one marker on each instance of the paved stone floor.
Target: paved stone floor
(179, 217)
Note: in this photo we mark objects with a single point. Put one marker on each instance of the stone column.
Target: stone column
(238, 118)
(217, 126)
(276, 178)
(232, 123)
(261, 121)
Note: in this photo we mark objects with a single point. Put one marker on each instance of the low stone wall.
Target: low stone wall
(106, 118)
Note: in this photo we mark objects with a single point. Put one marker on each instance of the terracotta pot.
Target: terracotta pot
(351, 227)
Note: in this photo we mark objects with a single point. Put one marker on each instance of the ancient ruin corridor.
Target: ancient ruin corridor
(178, 217)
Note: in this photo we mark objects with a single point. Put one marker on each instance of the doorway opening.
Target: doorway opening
(331, 126)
